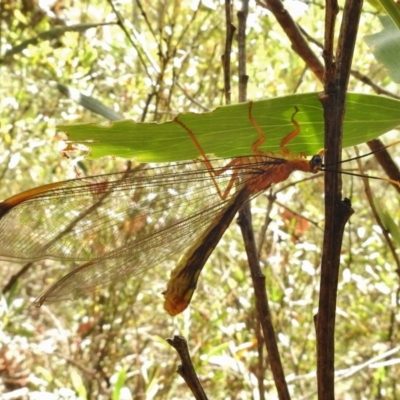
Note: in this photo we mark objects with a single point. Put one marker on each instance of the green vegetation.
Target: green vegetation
(77, 63)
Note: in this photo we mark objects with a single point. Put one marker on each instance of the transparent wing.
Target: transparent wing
(130, 260)
(120, 224)
(86, 218)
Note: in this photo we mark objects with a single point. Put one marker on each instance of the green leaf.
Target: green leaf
(88, 102)
(393, 10)
(386, 47)
(119, 384)
(77, 384)
(227, 131)
(388, 222)
(51, 34)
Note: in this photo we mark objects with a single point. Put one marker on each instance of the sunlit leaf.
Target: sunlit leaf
(386, 47)
(227, 131)
(119, 384)
(389, 223)
(392, 9)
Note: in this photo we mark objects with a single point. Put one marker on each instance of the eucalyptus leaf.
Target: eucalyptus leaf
(386, 47)
(389, 223)
(228, 132)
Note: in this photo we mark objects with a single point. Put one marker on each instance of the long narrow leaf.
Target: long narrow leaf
(227, 131)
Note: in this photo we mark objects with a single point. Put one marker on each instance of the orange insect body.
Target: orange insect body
(184, 277)
(81, 219)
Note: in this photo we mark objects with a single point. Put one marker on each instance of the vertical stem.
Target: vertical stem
(226, 57)
(337, 212)
(262, 305)
(242, 24)
(245, 223)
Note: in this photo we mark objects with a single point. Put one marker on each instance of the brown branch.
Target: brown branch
(263, 231)
(331, 11)
(261, 300)
(385, 160)
(261, 359)
(376, 88)
(226, 57)
(243, 77)
(337, 212)
(299, 43)
(14, 278)
(370, 198)
(186, 369)
(245, 223)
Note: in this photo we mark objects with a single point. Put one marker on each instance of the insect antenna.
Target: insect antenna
(385, 229)
(394, 178)
(366, 154)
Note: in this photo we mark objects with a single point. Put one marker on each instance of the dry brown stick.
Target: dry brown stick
(242, 24)
(261, 359)
(337, 212)
(263, 312)
(14, 278)
(385, 160)
(226, 57)
(267, 220)
(186, 369)
(368, 192)
(368, 81)
(261, 300)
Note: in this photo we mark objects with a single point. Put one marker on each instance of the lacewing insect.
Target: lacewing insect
(121, 224)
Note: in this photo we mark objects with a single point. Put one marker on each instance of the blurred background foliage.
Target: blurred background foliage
(148, 61)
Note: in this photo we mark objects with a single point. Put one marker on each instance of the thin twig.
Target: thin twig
(186, 369)
(14, 278)
(120, 21)
(368, 81)
(368, 192)
(226, 57)
(385, 160)
(267, 220)
(299, 44)
(243, 80)
(261, 300)
(300, 215)
(242, 24)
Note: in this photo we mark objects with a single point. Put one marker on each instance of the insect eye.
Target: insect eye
(316, 163)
